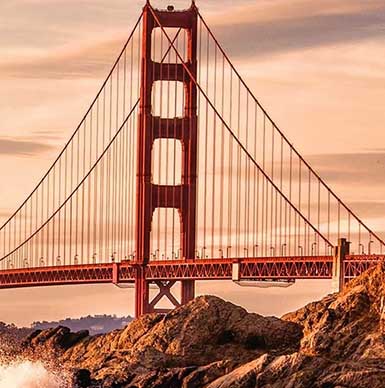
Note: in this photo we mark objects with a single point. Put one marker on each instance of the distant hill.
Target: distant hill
(97, 324)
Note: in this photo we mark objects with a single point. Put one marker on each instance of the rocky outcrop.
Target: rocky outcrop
(343, 343)
(195, 343)
(336, 342)
(11, 338)
(56, 339)
(348, 325)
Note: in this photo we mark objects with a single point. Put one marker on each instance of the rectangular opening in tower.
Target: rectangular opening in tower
(167, 161)
(162, 51)
(165, 235)
(168, 99)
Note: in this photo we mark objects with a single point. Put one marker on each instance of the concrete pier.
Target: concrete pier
(340, 252)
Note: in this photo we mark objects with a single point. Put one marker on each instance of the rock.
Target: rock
(58, 339)
(82, 378)
(203, 339)
(204, 375)
(348, 324)
(11, 341)
(338, 341)
(243, 376)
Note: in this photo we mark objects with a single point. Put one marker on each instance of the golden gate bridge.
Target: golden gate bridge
(177, 174)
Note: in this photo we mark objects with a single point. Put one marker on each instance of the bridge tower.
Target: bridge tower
(149, 195)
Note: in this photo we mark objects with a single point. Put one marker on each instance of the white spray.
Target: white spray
(27, 374)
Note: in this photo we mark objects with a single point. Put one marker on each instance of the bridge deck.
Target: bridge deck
(267, 268)
(279, 268)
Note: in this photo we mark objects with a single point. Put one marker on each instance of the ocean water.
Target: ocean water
(28, 374)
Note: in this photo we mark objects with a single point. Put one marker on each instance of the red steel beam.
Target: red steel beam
(208, 269)
(250, 268)
(354, 265)
(60, 275)
(264, 268)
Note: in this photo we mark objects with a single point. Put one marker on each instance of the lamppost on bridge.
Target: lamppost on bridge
(369, 246)
(220, 250)
(255, 250)
(228, 251)
(203, 252)
(246, 250)
(283, 249)
(58, 261)
(360, 245)
(300, 249)
(272, 251)
(313, 246)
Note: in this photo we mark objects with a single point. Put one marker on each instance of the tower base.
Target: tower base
(145, 305)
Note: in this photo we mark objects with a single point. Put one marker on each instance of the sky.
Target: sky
(317, 67)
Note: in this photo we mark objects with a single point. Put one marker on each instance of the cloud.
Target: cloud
(4, 213)
(47, 135)
(63, 39)
(363, 169)
(369, 209)
(280, 26)
(46, 24)
(276, 26)
(84, 61)
(22, 147)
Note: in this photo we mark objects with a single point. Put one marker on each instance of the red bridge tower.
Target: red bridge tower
(149, 195)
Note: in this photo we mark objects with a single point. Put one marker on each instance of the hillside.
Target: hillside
(98, 324)
(336, 342)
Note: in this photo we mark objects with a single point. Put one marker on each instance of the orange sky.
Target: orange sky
(317, 67)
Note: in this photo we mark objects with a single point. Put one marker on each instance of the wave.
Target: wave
(29, 374)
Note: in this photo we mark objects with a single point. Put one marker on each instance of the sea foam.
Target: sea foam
(28, 374)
